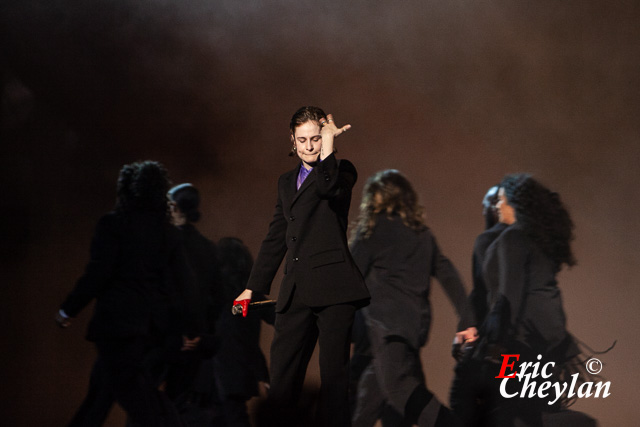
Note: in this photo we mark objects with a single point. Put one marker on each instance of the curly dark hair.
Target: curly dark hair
(543, 217)
(143, 186)
(396, 196)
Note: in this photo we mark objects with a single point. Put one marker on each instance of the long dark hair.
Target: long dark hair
(543, 217)
(142, 186)
(396, 196)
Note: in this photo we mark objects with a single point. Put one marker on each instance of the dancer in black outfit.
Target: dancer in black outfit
(240, 367)
(184, 202)
(398, 255)
(181, 367)
(463, 390)
(524, 306)
(322, 287)
(137, 265)
(493, 228)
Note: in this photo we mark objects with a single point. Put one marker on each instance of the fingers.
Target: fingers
(467, 336)
(330, 118)
(330, 124)
(189, 344)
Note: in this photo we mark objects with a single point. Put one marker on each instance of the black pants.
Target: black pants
(476, 399)
(297, 330)
(389, 381)
(119, 375)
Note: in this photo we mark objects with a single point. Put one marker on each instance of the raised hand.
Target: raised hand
(329, 131)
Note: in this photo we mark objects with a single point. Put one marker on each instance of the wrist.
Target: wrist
(326, 151)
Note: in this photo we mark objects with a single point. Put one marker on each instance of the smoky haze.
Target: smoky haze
(454, 94)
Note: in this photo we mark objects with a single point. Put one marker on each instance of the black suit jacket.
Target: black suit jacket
(398, 263)
(525, 303)
(309, 227)
(137, 268)
(478, 297)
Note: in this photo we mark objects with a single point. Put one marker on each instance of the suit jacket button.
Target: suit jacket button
(295, 259)
(294, 238)
(292, 218)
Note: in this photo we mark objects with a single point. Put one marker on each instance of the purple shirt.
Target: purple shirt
(302, 175)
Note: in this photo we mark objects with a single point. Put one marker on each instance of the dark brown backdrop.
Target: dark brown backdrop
(455, 94)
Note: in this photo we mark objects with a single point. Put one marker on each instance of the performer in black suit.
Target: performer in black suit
(322, 287)
(137, 265)
(524, 307)
(398, 255)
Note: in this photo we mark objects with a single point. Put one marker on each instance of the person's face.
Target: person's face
(506, 213)
(308, 142)
(176, 215)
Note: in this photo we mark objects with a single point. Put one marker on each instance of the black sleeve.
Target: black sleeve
(335, 180)
(362, 255)
(99, 271)
(448, 276)
(478, 295)
(513, 254)
(271, 253)
(193, 305)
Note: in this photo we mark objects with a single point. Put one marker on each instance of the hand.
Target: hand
(62, 321)
(263, 389)
(463, 342)
(244, 299)
(189, 344)
(467, 336)
(329, 131)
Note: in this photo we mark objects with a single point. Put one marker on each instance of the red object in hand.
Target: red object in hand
(244, 303)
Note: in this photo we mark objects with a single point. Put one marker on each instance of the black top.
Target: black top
(398, 264)
(525, 303)
(137, 265)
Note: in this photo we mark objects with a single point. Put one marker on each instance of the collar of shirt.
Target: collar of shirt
(302, 175)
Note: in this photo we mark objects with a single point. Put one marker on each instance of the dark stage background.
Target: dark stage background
(453, 93)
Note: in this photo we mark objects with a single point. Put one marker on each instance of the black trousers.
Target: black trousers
(297, 329)
(389, 381)
(119, 375)
(476, 400)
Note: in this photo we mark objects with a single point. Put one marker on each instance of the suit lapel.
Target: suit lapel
(289, 189)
